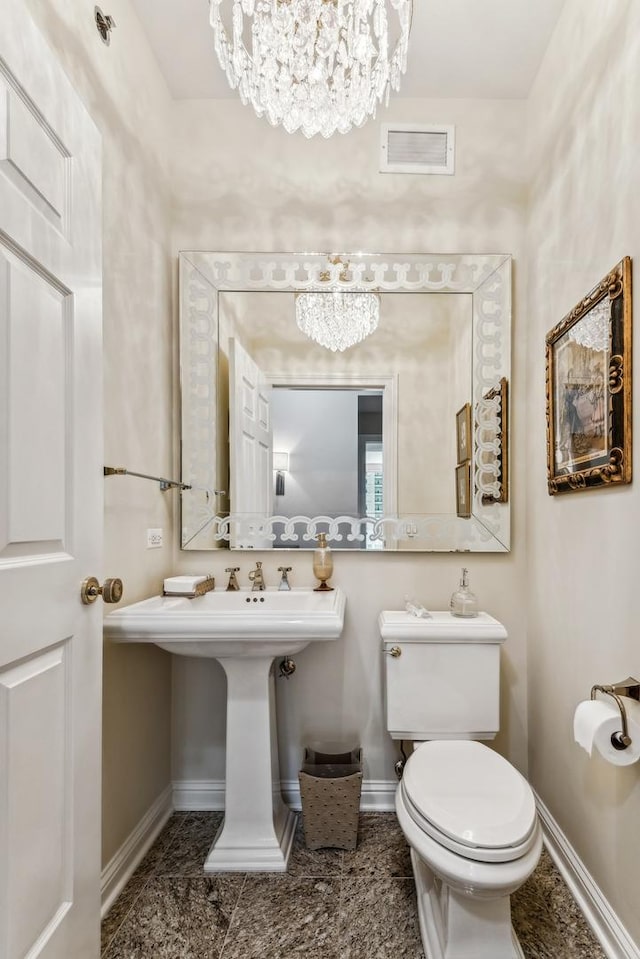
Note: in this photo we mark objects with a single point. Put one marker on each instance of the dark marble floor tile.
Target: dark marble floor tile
(120, 908)
(150, 862)
(279, 917)
(547, 919)
(134, 887)
(312, 862)
(331, 904)
(382, 849)
(178, 919)
(185, 856)
(379, 918)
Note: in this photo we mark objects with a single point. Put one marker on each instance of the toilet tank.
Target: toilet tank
(442, 675)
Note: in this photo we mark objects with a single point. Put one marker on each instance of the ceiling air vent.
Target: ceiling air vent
(412, 148)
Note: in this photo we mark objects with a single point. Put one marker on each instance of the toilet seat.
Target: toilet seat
(480, 880)
(470, 800)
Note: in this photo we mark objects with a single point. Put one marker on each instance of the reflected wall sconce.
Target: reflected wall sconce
(281, 466)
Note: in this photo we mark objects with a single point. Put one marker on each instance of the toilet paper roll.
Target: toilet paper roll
(596, 720)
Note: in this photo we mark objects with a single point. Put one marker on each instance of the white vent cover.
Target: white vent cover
(413, 148)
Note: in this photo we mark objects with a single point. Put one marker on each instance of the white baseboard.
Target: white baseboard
(121, 867)
(193, 795)
(611, 934)
(378, 795)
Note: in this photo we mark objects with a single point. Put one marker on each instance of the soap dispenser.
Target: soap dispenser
(463, 601)
(322, 563)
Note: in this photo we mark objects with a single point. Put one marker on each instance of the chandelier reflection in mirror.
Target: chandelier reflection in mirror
(319, 66)
(337, 320)
(593, 329)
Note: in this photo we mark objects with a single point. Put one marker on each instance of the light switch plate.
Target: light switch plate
(154, 538)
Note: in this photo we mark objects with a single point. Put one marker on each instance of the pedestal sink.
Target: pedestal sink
(244, 631)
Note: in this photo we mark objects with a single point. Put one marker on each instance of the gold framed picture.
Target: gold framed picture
(463, 490)
(464, 437)
(588, 366)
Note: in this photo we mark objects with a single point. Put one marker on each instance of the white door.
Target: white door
(50, 504)
(250, 446)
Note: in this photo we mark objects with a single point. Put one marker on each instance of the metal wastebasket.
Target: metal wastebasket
(330, 786)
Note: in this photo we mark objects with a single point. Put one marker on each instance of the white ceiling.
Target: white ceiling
(458, 48)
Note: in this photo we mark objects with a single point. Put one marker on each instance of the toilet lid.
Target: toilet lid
(470, 794)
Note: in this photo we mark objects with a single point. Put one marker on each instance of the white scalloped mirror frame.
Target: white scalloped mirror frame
(204, 275)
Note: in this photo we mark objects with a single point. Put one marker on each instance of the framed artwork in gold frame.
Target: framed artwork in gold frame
(463, 490)
(588, 374)
(464, 436)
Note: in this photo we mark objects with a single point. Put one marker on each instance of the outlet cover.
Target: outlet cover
(154, 538)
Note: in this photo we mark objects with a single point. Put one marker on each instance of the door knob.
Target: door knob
(395, 651)
(111, 590)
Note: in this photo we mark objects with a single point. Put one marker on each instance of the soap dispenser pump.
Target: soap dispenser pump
(463, 601)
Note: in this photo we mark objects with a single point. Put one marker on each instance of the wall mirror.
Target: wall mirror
(287, 432)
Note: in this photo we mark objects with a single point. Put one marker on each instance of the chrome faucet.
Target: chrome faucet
(232, 585)
(284, 581)
(257, 578)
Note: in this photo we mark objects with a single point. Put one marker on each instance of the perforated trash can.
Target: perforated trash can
(330, 786)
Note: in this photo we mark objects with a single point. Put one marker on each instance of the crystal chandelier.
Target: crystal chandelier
(337, 320)
(313, 65)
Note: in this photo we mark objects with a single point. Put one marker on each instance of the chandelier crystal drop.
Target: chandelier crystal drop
(319, 66)
(337, 320)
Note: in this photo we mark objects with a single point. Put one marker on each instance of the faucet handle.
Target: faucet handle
(232, 569)
(285, 569)
(256, 576)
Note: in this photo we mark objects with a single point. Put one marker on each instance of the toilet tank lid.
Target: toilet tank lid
(470, 793)
(440, 626)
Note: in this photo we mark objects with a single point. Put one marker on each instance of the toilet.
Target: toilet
(469, 817)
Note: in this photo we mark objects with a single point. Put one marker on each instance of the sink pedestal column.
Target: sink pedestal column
(257, 832)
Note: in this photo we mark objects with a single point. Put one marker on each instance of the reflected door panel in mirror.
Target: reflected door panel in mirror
(442, 340)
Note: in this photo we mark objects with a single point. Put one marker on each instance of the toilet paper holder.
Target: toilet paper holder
(629, 687)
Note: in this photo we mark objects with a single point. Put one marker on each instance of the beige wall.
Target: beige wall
(242, 185)
(582, 548)
(127, 98)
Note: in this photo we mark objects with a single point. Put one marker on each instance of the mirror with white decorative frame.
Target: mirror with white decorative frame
(288, 432)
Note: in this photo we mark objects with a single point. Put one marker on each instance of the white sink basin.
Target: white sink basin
(244, 631)
(238, 624)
